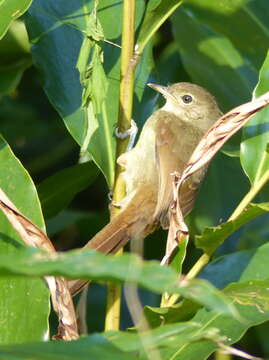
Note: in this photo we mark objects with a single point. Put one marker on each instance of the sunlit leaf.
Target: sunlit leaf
(212, 237)
(10, 11)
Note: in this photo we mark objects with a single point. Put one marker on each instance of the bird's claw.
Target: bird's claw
(131, 132)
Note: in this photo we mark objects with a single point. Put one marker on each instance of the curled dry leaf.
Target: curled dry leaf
(60, 295)
(211, 142)
(224, 349)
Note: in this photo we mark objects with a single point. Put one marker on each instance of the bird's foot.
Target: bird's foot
(130, 132)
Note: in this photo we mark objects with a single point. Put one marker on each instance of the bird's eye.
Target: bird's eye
(187, 99)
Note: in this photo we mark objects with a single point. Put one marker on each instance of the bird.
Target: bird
(166, 143)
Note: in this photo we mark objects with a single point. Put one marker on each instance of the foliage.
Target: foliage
(59, 105)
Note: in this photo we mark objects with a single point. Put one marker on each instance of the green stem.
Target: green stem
(219, 355)
(124, 122)
(197, 267)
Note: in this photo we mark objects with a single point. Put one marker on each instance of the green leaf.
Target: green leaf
(58, 190)
(250, 296)
(228, 268)
(212, 237)
(157, 12)
(90, 347)
(10, 11)
(24, 302)
(88, 264)
(166, 338)
(182, 311)
(95, 85)
(254, 147)
(244, 22)
(212, 60)
(51, 24)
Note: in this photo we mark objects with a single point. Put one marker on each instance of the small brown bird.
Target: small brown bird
(165, 145)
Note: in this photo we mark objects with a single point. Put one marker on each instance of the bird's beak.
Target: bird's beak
(161, 89)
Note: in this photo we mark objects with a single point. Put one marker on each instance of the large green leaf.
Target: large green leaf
(89, 264)
(10, 11)
(254, 148)
(50, 25)
(212, 237)
(24, 302)
(58, 190)
(212, 60)
(244, 22)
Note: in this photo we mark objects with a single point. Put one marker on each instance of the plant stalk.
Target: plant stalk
(197, 267)
(112, 320)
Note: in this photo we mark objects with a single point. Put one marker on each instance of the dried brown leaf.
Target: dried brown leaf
(60, 295)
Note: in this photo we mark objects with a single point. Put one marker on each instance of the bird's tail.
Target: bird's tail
(134, 221)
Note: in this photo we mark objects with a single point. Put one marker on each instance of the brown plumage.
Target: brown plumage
(165, 145)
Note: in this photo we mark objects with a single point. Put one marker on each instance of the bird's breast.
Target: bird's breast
(140, 163)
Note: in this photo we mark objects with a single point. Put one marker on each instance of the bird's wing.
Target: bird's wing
(173, 150)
